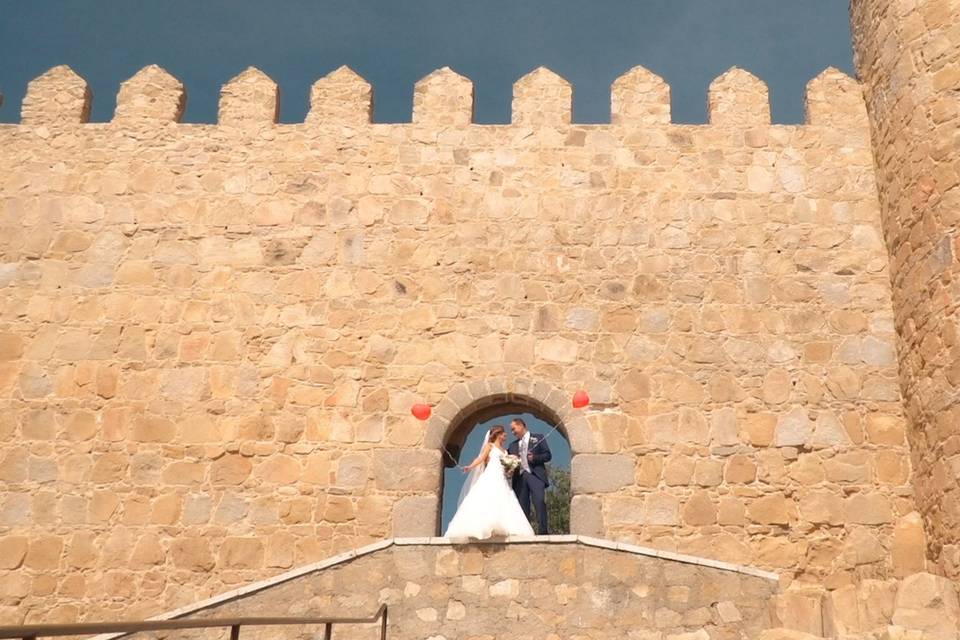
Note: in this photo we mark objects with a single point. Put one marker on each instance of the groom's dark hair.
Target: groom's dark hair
(520, 422)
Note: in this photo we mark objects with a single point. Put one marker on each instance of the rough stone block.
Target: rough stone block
(834, 99)
(868, 508)
(192, 554)
(699, 510)
(738, 99)
(542, 98)
(59, 96)
(640, 97)
(150, 95)
(443, 98)
(415, 516)
(601, 473)
(241, 553)
(909, 545)
(793, 429)
(927, 603)
(760, 429)
(829, 432)
(353, 471)
(249, 99)
(341, 98)
(876, 600)
(801, 609)
(885, 429)
(774, 508)
(13, 549)
(406, 469)
(586, 516)
(580, 435)
(44, 553)
(723, 427)
(230, 470)
(661, 509)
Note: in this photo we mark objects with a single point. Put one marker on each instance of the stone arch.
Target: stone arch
(473, 399)
(467, 404)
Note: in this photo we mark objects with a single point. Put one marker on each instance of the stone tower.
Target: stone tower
(908, 58)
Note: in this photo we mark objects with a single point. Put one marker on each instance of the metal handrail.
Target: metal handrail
(34, 631)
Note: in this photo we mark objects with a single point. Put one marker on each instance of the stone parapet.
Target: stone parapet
(441, 99)
(569, 583)
(437, 587)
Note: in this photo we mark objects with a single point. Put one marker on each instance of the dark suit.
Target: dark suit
(533, 485)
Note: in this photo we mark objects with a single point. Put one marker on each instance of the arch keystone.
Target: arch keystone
(542, 98)
(249, 98)
(738, 98)
(57, 96)
(341, 97)
(640, 97)
(444, 97)
(151, 95)
(835, 99)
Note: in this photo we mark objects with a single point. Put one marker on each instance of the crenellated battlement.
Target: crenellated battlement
(443, 98)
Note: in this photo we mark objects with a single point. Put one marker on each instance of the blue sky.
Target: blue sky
(393, 43)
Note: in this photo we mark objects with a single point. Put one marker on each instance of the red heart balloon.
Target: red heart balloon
(580, 399)
(420, 411)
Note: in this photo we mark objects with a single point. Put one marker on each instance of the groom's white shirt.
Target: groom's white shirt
(524, 449)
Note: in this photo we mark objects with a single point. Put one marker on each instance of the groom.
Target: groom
(530, 481)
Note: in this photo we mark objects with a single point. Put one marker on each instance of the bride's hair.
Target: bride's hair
(495, 432)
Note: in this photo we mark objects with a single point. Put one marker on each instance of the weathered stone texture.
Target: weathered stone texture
(542, 98)
(443, 98)
(59, 95)
(211, 336)
(593, 473)
(640, 97)
(484, 591)
(908, 54)
(151, 94)
(738, 97)
(341, 97)
(249, 99)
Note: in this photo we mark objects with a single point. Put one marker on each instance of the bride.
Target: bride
(488, 507)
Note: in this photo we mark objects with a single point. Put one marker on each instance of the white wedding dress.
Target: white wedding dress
(490, 507)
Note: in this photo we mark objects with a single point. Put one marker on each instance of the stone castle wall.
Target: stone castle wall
(908, 54)
(211, 335)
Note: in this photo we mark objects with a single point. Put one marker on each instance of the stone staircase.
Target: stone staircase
(577, 587)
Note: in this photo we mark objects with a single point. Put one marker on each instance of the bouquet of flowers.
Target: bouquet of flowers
(510, 464)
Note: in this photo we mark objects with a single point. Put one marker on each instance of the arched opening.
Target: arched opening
(464, 439)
